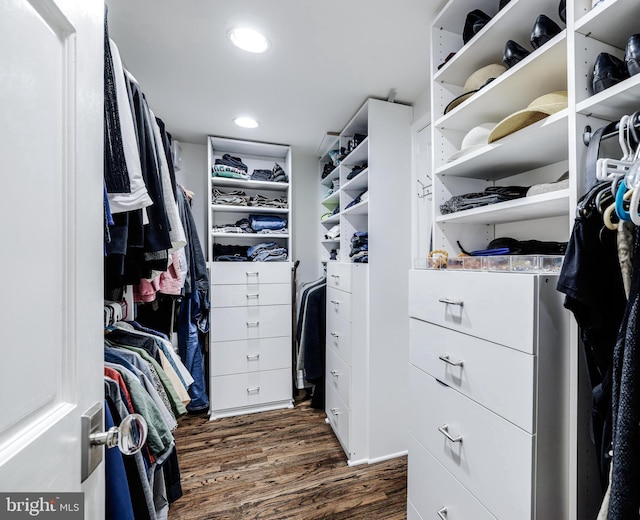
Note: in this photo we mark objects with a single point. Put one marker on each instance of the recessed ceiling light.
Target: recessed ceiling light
(248, 39)
(246, 122)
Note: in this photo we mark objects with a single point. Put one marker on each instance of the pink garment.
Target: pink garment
(145, 291)
(171, 279)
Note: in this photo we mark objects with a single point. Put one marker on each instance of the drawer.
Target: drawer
(338, 304)
(432, 489)
(240, 273)
(339, 417)
(339, 276)
(250, 295)
(250, 389)
(338, 377)
(235, 323)
(252, 355)
(500, 378)
(493, 459)
(498, 307)
(339, 337)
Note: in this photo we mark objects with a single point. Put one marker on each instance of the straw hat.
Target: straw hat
(537, 110)
(476, 138)
(480, 78)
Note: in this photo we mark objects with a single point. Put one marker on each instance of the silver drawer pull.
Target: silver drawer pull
(253, 357)
(254, 390)
(449, 301)
(335, 334)
(444, 430)
(253, 296)
(335, 373)
(252, 273)
(335, 302)
(449, 361)
(335, 411)
(252, 323)
(335, 276)
(442, 513)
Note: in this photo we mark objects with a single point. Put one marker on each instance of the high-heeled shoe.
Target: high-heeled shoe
(513, 53)
(474, 22)
(543, 30)
(632, 55)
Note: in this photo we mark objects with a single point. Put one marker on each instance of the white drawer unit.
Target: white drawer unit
(339, 417)
(253, 355)
(489, 394)
(339, 377)
(340, 277)
(338, 338)
(243, 273)
(250, 295)
(250, 338)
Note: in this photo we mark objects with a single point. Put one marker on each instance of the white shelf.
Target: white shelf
(331, 241)
(328, 180)
(513, 22)
(515, 153)
(333, 219)
(358, 155)
(249, 235)
(612, 21)
(332, 200)
(362, 208)
(329, 141)
(359, 182)
(539, 73)
(222, 145)
(551, 204)
(249, 209)
(614, 102)
(255, 185)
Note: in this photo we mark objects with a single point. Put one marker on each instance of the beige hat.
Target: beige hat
(537, 110)
(476, 138)
(480, 78)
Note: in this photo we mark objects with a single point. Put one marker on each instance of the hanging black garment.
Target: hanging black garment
(116, 176)
(166, 145)
(624, 501)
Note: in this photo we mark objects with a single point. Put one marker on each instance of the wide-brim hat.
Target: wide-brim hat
(538, 109)
(476, 138)
(479, 79)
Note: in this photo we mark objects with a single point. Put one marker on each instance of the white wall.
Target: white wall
(421, 105)
(193, 176)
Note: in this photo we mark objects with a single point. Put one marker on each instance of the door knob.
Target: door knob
(129, 437)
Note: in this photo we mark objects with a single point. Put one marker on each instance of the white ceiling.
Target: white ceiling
(326, 58)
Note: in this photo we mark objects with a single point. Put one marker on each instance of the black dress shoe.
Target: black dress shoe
(607, 71)
(543, 30)
(513, 53)
(474, 22)
(562, 11)
(632, 54)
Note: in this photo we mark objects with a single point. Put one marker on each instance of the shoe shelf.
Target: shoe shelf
(225, 182)
(553, 204)
(513, 22)
(612, 21)
(257, 210)
(362, 208)
(332, 200)
(539, 73)
(359, 182)
(514, 154)
(328, 180)
(614, 102)
(358, 155)
(333, 219)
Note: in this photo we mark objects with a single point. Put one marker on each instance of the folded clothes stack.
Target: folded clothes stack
(491, 195)
(230, 198)
(360, 247)
(511, 246)
(267, 252)
(231, 167)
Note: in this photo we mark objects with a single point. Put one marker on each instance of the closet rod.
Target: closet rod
(612, 129)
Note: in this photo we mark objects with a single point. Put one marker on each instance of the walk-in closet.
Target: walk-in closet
(340, 260)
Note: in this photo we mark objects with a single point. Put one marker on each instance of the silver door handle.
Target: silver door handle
(444, 430)
(335, 373)
(335, 302)
(254, 390)
(252, 323)
(335, 334)
(449, 301)
(252, 296)
(447, 359)
(253, 357)
(442, 513)
(129, 437)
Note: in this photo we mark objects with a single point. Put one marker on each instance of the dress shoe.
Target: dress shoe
(474, 22)
(503, 3)
(513, 53)
(543, 30)
(607, 71)
(632, 54)
(562, 11)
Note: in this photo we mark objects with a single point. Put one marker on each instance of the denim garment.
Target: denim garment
(230, 258)
(260, 222)
(274, 255)
(118, 504)
(253, 250)
(191, 347)
(261, 175)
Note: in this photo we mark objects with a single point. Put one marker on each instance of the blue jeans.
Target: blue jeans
(190, 347)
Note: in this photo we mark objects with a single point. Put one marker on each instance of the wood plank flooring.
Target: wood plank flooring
(285, 464)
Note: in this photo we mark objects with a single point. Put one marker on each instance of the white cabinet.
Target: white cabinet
(250, 335)
(367, 328)
(493, 415)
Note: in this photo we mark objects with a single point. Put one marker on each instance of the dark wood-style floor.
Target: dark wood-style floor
(285, 464)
